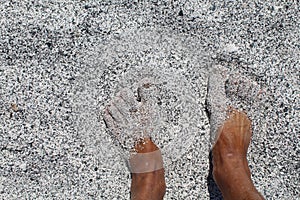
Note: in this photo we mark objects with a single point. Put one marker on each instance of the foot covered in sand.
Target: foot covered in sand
(132, 121)
(130, 118)
(230, 166)
(230, 137)
(227, 90)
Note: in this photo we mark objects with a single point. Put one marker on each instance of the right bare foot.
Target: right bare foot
(230, 167)
(230, 135)
(230, 149)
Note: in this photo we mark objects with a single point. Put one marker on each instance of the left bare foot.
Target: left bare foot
(149, 185)
(130, 119)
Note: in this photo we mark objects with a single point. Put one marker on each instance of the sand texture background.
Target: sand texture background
(61, 62)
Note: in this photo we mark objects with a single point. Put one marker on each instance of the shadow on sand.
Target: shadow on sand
(214, 192)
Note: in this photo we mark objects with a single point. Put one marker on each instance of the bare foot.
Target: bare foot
(230, 135)
(150, 185)
(131, 121)
(131, 118)
(230, 166)
(230, 149)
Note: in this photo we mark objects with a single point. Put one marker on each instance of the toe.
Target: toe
(115, 113)
(122, 107)
(109, 122)
(147, 91)
(128, 97)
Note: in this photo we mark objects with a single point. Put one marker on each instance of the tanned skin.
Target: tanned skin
(150, 185)
(230, 166)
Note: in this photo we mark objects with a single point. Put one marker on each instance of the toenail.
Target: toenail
(133, 110)
(147, 85)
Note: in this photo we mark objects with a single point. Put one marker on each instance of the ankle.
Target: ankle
(223, 160)
(235, 182)
(148, 186)
(228, 170)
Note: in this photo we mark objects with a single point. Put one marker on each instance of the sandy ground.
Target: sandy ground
(61, 62)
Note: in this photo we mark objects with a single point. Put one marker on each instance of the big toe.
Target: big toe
(147, 90)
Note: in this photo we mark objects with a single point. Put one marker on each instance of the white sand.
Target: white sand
(61, 62)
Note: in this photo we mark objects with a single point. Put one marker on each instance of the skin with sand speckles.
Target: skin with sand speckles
(150, 185)
(231, 171)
